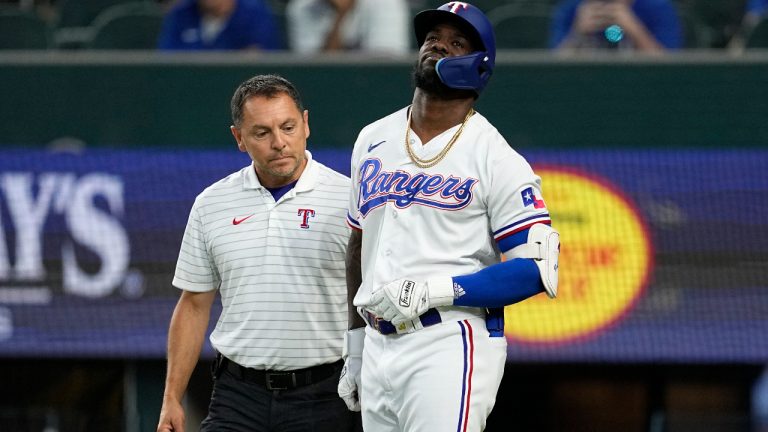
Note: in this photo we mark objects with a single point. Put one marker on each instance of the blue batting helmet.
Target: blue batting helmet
(468, 72)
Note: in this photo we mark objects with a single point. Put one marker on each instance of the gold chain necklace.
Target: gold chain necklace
(428, 163)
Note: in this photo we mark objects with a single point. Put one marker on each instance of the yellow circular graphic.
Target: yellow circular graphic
(605, 260)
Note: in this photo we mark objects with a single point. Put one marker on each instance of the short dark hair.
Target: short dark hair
(268, 86)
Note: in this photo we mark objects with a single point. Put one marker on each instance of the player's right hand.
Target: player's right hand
(405, 299)
(349, 381)
(171, 417)
(400, 301)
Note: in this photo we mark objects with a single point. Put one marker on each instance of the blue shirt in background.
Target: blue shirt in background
(757, 7)
(659, 17)
(250, 25)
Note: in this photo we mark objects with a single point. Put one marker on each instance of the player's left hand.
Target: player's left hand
(405, 299)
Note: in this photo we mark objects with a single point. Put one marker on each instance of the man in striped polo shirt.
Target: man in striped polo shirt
(271, 238)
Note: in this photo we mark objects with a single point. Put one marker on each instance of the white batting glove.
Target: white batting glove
(349, 382)
(404, 299)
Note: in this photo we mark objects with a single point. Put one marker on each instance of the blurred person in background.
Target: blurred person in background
(271, 239)
(757, 8)
(755, 11)
(648, 26)
(338, 25)
(219, 25)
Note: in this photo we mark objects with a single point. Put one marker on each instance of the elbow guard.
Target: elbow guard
(544, 248)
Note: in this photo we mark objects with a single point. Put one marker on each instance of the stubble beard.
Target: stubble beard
(284, 172)
(426, 78)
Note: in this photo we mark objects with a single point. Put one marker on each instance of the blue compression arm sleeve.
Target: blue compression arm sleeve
(501, 284)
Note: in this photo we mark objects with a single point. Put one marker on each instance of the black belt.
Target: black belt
(282, 380)
(428, 318)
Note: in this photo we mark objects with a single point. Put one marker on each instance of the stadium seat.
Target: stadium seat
(722, 18)
(758, 36)
(695, 33)
(72, 29)
(81, 13)
(521, 25)
(127, 26)
(22, 31)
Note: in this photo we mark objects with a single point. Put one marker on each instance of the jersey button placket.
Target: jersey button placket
(389, 231)
(394, 230)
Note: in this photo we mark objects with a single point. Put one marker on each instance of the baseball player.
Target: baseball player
(437, 197)
(271, 238)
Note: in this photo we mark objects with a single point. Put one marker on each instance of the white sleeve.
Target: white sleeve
(386, 26)
(194, 269)
(306, 33)
(515, 202)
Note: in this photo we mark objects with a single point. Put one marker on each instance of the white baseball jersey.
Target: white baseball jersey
(279, 267)
(440, 221)
(444, 220)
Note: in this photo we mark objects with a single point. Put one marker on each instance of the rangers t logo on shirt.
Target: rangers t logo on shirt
(305, 215)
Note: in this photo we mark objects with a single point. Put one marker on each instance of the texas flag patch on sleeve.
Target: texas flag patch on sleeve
(529, 198)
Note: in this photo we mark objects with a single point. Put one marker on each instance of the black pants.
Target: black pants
(238, 405)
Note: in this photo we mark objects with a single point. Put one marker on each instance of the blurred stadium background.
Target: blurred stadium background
(655, 169)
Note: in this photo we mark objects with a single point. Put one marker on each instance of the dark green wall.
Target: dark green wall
(535, 103)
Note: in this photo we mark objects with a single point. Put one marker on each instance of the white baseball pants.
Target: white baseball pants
(443, 378)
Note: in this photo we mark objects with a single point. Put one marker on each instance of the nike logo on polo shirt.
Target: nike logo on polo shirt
(236, 221)
(373, 146)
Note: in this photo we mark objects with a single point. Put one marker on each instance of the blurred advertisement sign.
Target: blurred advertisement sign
(664, 253)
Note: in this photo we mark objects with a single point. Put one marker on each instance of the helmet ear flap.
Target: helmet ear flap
(467, 72)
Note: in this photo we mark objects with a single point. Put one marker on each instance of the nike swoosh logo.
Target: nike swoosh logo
(373, 146)
(236, 221)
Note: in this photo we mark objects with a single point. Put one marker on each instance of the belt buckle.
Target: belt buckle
(373, 321)
(269, 381)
